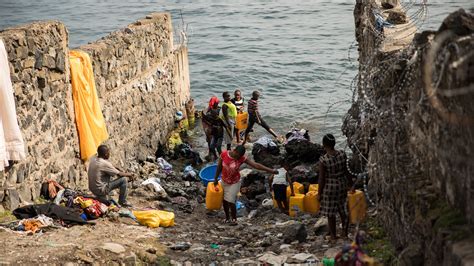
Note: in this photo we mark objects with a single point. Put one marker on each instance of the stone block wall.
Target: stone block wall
(141, 79)
(39, 68)
(418, 141)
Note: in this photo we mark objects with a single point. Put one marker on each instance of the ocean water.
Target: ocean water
(300, 54)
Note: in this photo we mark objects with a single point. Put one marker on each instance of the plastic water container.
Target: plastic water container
(357, 206)
(214, 196)
(297, 187)
(207, 174)
(241, 121)
(311, 203)
(296, 204)
(313, 187)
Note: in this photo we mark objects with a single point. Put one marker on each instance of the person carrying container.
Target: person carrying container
(213, 128)
(278, 184)
(229, 165)
(255, 117)
(334, 182)
(228, 115)
(238, 101)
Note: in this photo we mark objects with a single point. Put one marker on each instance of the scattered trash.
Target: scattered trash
(189, 173)
(181, 246)
(214, 246)
(267, 202)
(156, 184)
(272, 258)
(252, 214)
(328, 262)
(239, 205)
(164, 165)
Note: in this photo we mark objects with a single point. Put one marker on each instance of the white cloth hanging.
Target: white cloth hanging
(12, 146)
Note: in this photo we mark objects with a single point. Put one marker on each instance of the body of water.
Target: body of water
(300, 54)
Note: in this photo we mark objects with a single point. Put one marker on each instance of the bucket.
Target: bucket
(207, 174)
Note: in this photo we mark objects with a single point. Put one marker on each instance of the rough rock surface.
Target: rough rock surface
(414, 139)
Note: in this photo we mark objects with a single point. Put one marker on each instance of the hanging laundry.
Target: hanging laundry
(12, 146)
(89, 119)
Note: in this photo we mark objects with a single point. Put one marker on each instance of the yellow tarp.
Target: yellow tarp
(89, 119)
(155, 218)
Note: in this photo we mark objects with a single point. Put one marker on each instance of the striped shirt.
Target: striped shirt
(239, 104)
(252, 107)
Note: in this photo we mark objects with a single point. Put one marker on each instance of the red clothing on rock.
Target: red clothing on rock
(230, 168)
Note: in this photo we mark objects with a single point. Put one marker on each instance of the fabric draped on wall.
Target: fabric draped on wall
(89, 119)
(12, 146)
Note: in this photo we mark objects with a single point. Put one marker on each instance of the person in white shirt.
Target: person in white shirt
(278, 184)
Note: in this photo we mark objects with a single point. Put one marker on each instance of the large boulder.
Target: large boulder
(303, 151)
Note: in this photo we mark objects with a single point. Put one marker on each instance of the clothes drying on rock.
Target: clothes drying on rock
(68, 215)
(89, 119)
(12, 147)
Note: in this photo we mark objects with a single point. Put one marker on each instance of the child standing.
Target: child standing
(238, 101)
(278, 184)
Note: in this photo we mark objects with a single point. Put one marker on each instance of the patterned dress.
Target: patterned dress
(334, 196)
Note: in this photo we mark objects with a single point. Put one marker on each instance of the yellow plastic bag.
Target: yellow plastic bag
(174, 140)
(155, 218)
(89, 119)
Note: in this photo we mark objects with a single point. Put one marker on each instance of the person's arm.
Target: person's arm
(226, 115)
(218, 171)
(288, 179)
(260, 167)
(322, 180)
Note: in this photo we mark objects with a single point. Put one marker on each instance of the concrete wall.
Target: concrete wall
(142, 80)
(418, 141)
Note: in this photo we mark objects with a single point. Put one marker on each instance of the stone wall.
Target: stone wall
(418, 140)
(141, 79)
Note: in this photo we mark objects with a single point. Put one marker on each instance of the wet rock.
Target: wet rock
(295, 232)
(303, 151)
(268, 156)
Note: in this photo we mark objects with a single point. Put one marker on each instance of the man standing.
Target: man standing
(100, 172)
(254, 117)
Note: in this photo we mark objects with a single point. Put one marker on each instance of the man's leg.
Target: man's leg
(249, 128)
(267, 127)
(122, 184)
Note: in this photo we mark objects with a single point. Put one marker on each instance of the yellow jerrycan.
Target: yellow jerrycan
(311, 202)
(298, 187)
(241, 121)
(214, 196)
(313, 187)
(357, 206)
(296, 204)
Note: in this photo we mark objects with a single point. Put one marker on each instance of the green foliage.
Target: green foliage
(378, 244)
(6, 216)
